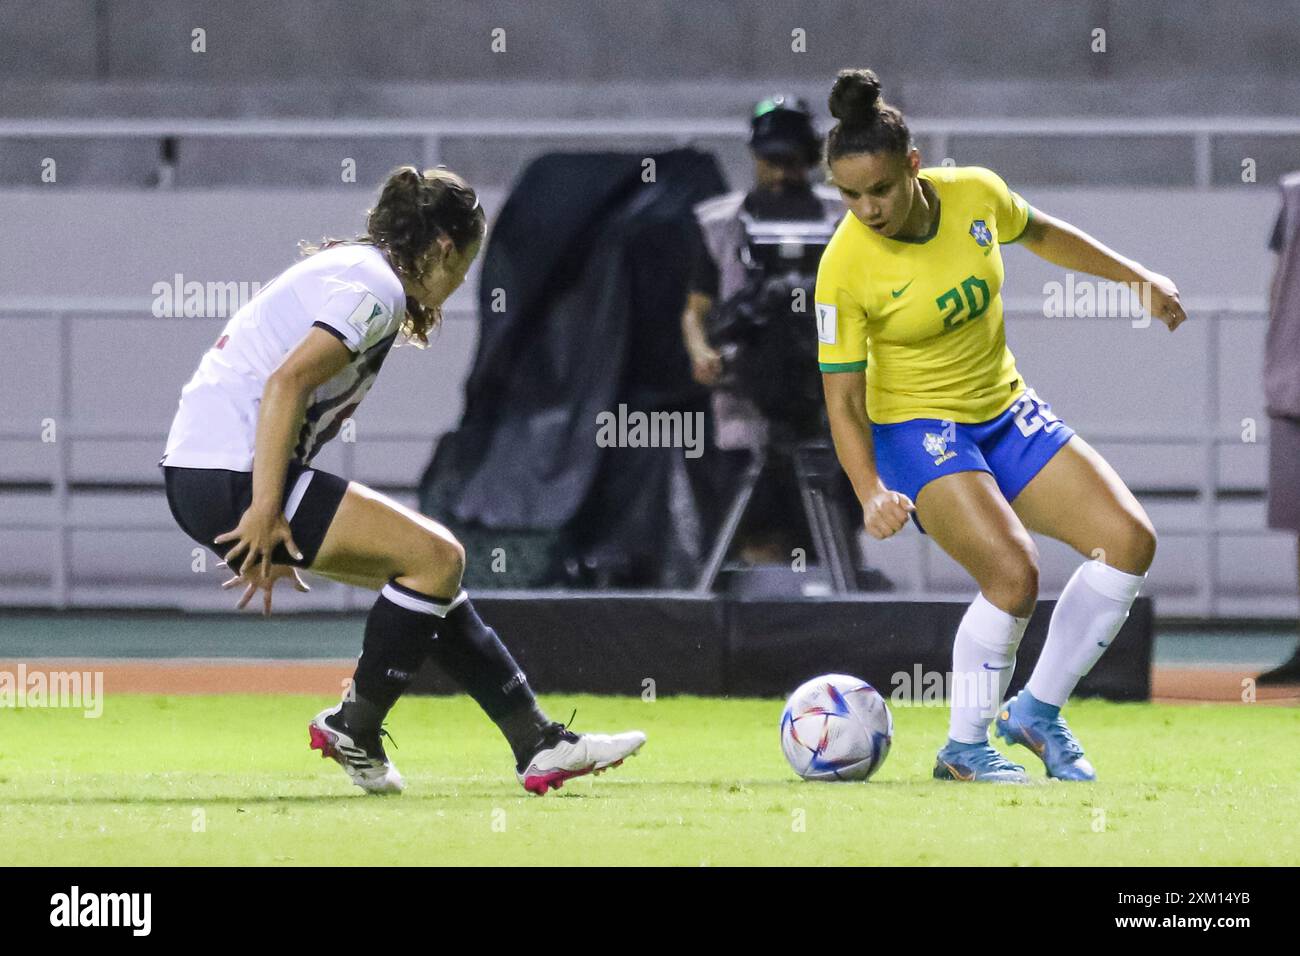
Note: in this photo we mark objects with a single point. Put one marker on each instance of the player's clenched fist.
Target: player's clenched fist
(886, 512)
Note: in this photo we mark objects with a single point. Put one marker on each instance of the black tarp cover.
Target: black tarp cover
(591, 263)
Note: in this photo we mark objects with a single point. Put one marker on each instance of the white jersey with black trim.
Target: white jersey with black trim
(349, 291)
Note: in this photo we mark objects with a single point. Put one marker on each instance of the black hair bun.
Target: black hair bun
(855, 97)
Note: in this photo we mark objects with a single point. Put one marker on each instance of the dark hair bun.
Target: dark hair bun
(410, 188)
(404, 182)
(855, 97)
(416, 208)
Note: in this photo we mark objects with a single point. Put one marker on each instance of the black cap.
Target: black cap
(782, 128)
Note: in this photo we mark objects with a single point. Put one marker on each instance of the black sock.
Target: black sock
(399, 636)
(362, 715)
(472, 655)
(524, 729)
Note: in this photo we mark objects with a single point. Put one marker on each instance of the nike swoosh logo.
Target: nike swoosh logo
(957, 774)
(1103, 644)
(900, 291)
(987, 668)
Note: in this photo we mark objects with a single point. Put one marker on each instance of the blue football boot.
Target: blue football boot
(1031, 723)
(978, 764)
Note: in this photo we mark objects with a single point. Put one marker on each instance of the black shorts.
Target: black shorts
(207, 502)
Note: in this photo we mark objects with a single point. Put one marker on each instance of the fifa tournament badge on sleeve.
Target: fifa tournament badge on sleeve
(363, 316)
(826, 323)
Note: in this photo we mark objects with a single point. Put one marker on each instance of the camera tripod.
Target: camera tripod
(816, 470)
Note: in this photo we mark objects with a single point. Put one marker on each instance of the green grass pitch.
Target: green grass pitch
(229, 781)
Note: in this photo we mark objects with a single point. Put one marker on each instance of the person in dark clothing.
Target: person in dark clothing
(1282, 389)
(786, 149)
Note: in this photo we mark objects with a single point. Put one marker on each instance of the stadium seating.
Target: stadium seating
(1118, 142)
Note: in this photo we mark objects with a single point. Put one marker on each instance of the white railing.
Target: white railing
(1201, 130)
(69, 433)
(1202, 430)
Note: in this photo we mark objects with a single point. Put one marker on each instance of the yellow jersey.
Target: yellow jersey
(924, 316)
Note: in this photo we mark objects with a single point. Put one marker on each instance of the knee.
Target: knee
(452, 555)
(1146, 545)
(1137, 546)
(442, 558)
(1014, 588)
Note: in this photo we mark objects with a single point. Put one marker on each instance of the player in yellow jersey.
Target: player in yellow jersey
(931, 418)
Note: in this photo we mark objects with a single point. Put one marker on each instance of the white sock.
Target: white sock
(1090, 612)
(983, 658)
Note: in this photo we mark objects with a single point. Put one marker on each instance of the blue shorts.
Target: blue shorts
(1012, 448)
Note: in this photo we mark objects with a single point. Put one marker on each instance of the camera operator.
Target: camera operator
(786, 149)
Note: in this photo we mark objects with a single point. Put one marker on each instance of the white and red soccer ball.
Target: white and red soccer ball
(836, 727)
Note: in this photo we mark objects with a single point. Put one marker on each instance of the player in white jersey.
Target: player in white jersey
(287, 370)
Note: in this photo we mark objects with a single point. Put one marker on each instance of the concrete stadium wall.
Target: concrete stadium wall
(576, 39)
(1102, 376)
(123, 241)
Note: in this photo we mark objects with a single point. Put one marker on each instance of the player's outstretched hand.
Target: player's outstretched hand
(256, 536)
(1164, 301)
(255, 581)
(886, 512)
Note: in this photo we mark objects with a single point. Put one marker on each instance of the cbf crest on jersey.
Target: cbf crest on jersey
(937, 447)
(983, 235)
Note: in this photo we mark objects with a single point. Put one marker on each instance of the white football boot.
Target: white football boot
(361, 756)
(564, 755)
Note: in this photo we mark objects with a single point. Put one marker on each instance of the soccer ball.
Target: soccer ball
(836, 727)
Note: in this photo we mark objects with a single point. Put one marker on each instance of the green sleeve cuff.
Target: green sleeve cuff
(842, 366)
(1028, 219)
